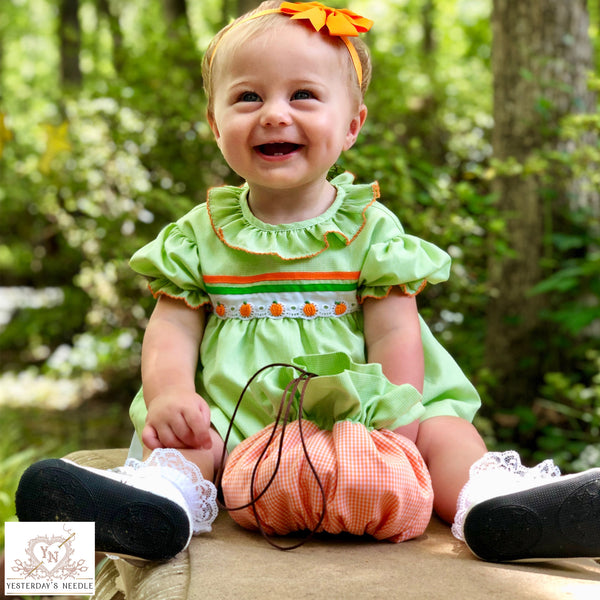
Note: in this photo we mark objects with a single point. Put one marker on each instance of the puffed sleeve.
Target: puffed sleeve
(171, 262)
(405, 261)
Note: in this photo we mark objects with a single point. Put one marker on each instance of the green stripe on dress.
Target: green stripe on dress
(278, 288)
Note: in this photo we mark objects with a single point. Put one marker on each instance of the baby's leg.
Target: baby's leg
(449, 445)
(508, 511)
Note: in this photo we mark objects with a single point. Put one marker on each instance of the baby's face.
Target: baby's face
(284, 107)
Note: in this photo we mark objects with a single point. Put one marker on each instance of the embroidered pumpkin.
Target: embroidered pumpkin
(220, 310)
(340, 308)
(246, 310)
(309, 309)
(276, 309)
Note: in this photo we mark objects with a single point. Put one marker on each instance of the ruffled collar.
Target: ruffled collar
(236, 226)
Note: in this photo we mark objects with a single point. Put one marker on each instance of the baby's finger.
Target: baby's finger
(182, 430)
(150, 438)
(205, 410)
(199, 427)
(168, 438)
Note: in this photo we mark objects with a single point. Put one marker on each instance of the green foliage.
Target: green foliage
(33, 433)
(12, 465)
(568, 415)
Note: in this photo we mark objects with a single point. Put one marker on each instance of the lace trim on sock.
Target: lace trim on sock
(498, 474)
(200, 494)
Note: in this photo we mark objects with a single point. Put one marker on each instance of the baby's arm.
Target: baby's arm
(393, 339)
(178, 417)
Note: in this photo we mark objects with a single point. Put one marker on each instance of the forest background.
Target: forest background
(482, 131)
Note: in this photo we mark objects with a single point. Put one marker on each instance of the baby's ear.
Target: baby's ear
(210, 117)
(355, 126)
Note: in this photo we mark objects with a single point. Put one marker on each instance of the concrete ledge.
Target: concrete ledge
(231, 562)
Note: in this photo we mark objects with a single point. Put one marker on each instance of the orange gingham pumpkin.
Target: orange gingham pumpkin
(375, 482)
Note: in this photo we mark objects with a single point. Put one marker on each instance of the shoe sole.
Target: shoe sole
(555, 520)
(129, 522)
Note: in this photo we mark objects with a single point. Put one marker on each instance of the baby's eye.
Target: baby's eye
(249, 97)
(302, 95)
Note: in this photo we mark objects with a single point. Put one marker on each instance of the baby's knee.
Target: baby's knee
(446, 434)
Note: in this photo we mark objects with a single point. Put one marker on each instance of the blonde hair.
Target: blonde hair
(266, 23)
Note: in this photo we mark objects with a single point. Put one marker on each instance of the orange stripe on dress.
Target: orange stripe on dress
(286, 276)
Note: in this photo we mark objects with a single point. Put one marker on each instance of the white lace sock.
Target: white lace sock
(497, 474)
(167, 473)
(198, 496)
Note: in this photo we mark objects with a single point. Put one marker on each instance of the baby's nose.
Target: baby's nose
(275, 114)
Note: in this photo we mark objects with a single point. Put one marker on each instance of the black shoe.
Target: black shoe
(559, 519)
(130, 522)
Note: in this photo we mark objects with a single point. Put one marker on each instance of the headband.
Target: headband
(340, 23)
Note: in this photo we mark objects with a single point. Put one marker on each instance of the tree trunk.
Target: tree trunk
(428, 15)
(541, 54)
(104, 8)
(70, 43)
(180, 31)
(231, 9)
(1, 62)
(175, 9)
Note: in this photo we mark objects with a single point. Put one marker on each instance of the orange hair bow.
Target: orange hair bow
(339, 22)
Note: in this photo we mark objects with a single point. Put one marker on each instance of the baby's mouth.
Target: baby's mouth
(278, 148)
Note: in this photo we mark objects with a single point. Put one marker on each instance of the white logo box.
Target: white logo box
(49, 558)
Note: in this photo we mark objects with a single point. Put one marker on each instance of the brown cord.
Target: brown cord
(286, 403)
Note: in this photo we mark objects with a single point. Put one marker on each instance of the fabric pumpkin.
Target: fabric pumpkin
(323, 473)
(375, 482)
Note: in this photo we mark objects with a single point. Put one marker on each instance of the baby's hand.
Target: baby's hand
(177, 419)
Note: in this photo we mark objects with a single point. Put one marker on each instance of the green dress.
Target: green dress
(292, 293)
